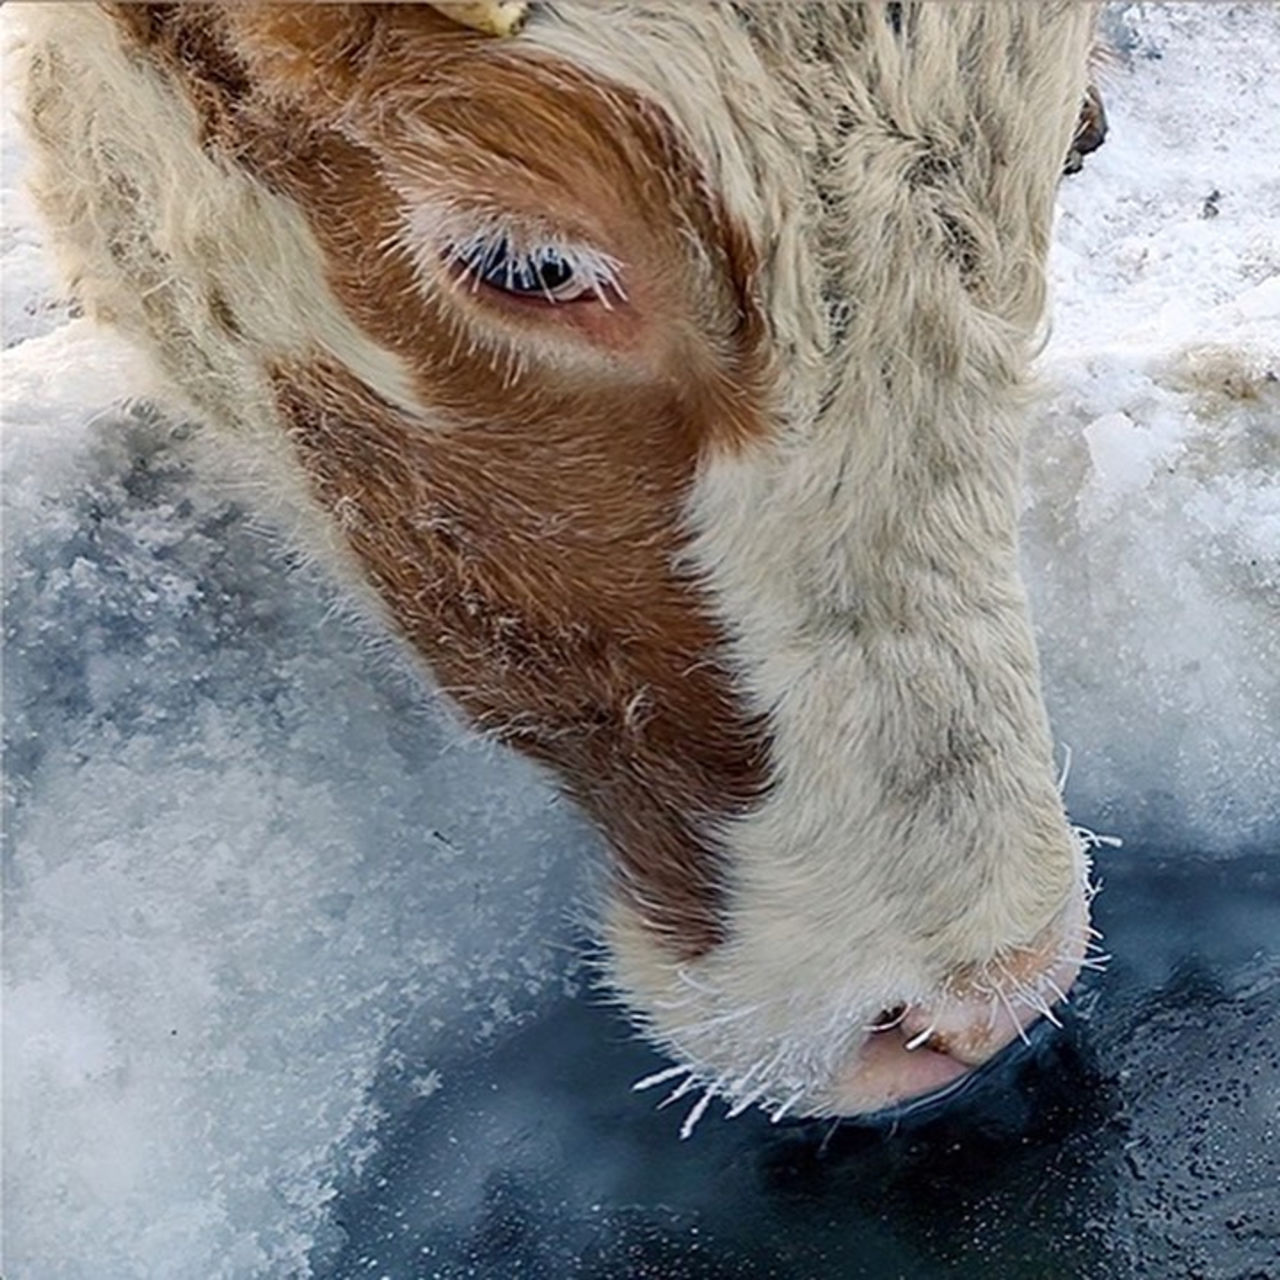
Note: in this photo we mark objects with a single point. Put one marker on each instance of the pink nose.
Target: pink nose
(928, 1049)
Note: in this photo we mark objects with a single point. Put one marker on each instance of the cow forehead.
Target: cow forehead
(706, 66)
(789, 109)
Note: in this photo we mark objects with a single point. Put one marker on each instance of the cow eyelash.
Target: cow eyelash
(554, 273)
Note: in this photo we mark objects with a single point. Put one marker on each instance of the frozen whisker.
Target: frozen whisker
(690, 1082)
(1026, 1000)
(786, 1106)
(1093, 840)
(1013, 1017)
(659, 1077)
(774, 1061)
(1066, 768)
(741, 1082)
(1036, 1001)
(744, 1102)
(1057, 990)
(920, 1038)
(698, 1111)
(1079, 939)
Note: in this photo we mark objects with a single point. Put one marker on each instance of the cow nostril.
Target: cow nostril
(923, 1040)
(889, 1018)
(932, 1039)
(918, 1052)
(886, 1073)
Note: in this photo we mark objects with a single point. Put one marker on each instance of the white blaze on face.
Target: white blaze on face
(912, 852)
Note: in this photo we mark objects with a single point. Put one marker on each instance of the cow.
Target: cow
(657, 371)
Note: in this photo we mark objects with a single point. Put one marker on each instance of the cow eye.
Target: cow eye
(543, 273)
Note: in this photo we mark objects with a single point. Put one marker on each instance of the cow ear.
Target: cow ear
(493, 17)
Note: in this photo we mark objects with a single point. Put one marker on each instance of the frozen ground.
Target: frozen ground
(290, 985)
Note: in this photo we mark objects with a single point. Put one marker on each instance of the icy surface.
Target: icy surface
(1142, 1142)
(286, 957)
(246, 857)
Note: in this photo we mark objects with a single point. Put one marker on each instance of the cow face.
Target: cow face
(660, 368)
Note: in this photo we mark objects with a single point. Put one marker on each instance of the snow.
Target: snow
(1152, 527)
(263, 896)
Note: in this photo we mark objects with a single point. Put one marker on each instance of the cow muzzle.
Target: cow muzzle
(822, 1049)
(927, 1050)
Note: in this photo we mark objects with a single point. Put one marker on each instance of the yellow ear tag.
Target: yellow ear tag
(493, 17)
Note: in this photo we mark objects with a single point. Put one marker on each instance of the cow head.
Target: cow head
(661, 368)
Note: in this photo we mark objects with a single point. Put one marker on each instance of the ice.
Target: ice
(286, 953)
(1142, 1141)
(247, 857)
(1153, 539)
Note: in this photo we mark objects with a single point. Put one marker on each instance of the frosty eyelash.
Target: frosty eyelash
(550, 270)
